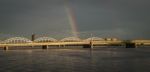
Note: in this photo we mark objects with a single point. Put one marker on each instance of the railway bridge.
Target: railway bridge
(45, 42)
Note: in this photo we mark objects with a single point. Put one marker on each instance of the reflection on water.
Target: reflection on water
(76, 60)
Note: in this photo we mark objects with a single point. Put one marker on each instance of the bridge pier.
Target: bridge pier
(6, 48)
(63, 46)
(91, 45)
(130, 45)
(32, 46)
(86, 46)
(59, 46)
(45, 47)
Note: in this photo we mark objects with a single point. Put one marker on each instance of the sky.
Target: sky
(125, 19)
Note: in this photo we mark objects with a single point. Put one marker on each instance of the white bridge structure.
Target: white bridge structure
(45, 42)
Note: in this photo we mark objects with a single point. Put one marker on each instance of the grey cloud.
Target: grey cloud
(119, 18)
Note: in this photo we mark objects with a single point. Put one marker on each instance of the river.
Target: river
(76, 60)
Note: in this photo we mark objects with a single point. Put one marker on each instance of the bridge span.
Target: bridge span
(45, 42)
(89, 44)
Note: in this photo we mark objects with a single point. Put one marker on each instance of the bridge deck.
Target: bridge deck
(73, 43)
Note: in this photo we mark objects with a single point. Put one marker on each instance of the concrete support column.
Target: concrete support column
(87, 46)
(130, 45)
(59, 46)
(6, 48)
(64, 46)
(91, 45)
(135, 45)
(32, 46)
(45, 47)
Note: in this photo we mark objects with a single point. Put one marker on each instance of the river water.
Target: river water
(76, 60)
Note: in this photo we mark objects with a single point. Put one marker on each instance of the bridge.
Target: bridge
(45, 42)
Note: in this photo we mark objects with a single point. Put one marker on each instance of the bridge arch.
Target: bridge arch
(71, 39)
(17, 40)
(111, 39)
(94, 39)
(45, 39)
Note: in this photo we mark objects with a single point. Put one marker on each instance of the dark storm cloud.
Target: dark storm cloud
(33, 15)
(125, 18)
(117, 18)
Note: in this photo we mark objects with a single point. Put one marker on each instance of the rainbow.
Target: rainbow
(72, 18)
